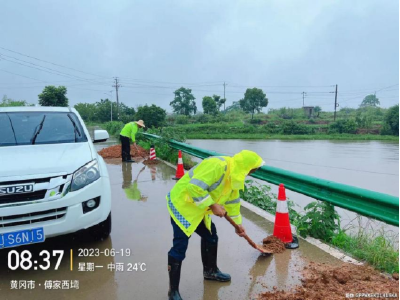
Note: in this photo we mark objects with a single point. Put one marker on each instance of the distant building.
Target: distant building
(309, 111)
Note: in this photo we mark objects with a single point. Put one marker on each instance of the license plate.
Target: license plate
(21, 237)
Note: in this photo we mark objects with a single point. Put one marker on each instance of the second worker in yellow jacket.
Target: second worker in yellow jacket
(129, 133)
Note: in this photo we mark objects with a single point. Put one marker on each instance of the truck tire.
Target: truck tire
(102, 230)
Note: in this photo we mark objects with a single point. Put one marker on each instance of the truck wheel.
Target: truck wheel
(102, 230)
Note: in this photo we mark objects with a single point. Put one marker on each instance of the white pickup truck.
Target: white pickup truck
(52, 181)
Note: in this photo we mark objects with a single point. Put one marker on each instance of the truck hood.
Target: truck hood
(30, 161)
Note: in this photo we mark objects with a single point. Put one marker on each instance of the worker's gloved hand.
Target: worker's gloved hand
(218, 210)
(241, 232)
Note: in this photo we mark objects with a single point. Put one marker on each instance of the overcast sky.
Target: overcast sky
(155, 47)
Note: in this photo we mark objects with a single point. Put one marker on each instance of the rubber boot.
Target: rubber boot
(209, 258)
(174, 270)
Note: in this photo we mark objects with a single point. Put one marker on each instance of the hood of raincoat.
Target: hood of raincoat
(242, 164)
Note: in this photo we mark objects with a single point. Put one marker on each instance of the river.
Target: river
(372, 165)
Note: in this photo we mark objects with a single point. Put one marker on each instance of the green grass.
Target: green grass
(263, 136)
(277, 129)
(378, 251)
(92, 124)
(321, 221)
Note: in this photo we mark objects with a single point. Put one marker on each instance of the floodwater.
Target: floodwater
(141, 223)
(372, 165)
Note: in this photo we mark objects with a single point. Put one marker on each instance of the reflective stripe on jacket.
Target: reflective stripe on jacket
(208, 183)
(130, 130)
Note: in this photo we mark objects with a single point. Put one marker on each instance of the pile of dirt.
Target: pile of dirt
(151, 162)
(273, 244)
(321, 281)
(115, 152)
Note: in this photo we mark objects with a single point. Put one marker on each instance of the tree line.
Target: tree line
(184, 102)
(101, 111)
(253, 101)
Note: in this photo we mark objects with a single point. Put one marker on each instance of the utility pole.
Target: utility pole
(304, 93)
(224, 94)
(336, 105)
(117, 85)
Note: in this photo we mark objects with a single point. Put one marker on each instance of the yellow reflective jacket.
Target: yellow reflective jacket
(216, 179)
(130, 130)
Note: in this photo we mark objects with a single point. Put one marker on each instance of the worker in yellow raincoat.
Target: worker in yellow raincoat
(210, 188)
(129, 133)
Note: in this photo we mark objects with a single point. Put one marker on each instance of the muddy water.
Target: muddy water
(141, 223)
(372, 165)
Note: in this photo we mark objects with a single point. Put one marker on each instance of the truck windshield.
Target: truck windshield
(27, 128)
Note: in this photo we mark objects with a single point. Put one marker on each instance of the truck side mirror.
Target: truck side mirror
(100, 136)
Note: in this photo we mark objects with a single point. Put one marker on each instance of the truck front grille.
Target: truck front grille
(37, 195)
(34, 180)
(35, 217)
(44, 189)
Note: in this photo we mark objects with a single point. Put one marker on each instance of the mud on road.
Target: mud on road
(115, 152)
(273, 245)
(321, 281)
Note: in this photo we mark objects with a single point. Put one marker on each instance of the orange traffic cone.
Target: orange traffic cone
(152, 153)
(179, 171)
(282, 229)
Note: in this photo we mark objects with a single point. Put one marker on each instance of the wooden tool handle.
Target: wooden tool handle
(232, 222)
(249, 240)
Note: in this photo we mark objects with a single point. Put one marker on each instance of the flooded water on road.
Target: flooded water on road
(141, 223)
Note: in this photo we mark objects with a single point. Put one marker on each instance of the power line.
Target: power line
(42, 60)
(387, 87)
(147, 83)
(141, 85)
(34, 86)
(21, 75)
(283, 86)
(49, 70)
(369, 89)
(30, 83)
(68, 86)
(231, 92)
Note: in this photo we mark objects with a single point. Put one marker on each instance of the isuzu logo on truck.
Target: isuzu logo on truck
(16, 189)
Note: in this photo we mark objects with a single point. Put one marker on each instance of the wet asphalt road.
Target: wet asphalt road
(141, 223)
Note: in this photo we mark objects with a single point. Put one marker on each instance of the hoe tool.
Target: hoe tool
(249, 240)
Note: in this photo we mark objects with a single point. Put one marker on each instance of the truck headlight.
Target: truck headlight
(85, 175)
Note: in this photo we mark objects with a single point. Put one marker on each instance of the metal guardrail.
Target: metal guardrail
(368, 203)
